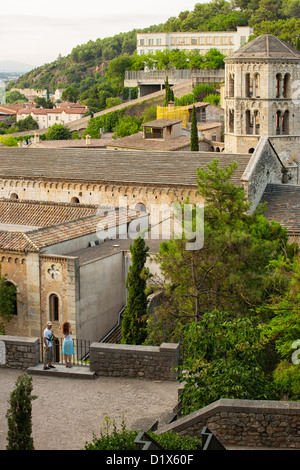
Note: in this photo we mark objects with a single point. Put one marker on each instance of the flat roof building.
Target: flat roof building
(225, 41)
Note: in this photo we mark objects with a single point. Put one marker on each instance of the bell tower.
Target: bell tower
(259, 99)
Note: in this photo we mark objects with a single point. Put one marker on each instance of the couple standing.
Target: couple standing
(67, 349)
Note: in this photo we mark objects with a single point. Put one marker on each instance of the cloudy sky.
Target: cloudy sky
(36, 31)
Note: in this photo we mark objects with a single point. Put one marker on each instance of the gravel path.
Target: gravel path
(68, 411)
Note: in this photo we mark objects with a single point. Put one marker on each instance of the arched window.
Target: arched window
(53, 307)
(12, 296)
(278, 85)
(287, 89)
(75, 200)
(256, 85)
(14, 196)
(231, 85)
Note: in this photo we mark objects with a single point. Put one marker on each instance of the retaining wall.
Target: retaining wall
(245, 423)
(18, 352)
(124, 360)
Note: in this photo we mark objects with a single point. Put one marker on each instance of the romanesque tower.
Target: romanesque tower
(262, 93)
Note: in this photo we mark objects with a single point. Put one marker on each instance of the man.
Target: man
(48, 336)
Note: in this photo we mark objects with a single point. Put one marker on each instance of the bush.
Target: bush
(112, 439)
(19, 415)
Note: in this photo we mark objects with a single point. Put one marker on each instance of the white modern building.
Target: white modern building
(225, 41)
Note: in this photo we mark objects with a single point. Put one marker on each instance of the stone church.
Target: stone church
(68, 259)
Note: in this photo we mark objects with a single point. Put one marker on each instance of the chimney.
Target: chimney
(36, 138)
(87, 140)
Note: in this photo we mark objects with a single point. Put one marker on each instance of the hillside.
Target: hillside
(86, 67)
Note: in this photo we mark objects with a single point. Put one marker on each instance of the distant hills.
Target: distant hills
(12, 66)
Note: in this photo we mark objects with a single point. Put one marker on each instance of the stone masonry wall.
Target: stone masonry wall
(245, 423)
(124, 360)
(19, 353)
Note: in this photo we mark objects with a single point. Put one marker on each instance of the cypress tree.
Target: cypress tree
(19, 415)
(134, 320)
(194, 132)
(169, 94)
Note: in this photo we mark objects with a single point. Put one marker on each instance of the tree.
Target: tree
(58, 132)
(127, 126)
(169, 95)
(134, 320)
(223, 359)
(194, 132)
(19, 415)
(70, 94)
(230, 272)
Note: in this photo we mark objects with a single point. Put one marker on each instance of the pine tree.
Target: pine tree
(19, 415)
(134, 320)
(194, 132)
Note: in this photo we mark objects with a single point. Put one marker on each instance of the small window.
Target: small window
(53, 307)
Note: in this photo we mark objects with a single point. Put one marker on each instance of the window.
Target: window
(224, 40)
(194, 41)
(142, 52)
(201, 40)
(217, 41)
(209, 40)
(53, 307)
(158, 41)
(142, 42)
(150, 42)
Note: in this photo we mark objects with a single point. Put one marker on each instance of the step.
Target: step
(78, 372)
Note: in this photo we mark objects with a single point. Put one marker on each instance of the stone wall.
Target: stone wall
(18, 352)
(245, 423)
(124, 360)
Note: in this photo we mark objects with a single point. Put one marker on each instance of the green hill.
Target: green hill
(87, 67)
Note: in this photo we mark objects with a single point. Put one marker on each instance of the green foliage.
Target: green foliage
(7, 300)
(27, 124)
(223, 360)
(149, 114)
(70, 94)
(194, 132)
(231, 272)
(58, 132)
(15, 97)
(130, 93)
(19, 415)
(112, 438)
(169, 95)
(127, 126)
(134, 319)
(43, 103)
(203, 89)
(9, 140)
(213, 99)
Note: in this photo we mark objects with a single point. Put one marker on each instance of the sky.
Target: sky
(35, 32)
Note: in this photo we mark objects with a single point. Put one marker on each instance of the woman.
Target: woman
(68, 348)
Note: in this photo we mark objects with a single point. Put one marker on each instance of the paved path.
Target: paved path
(69, 410)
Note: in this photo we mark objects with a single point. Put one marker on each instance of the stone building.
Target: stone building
(259, 98)
(38, 242)
(53, 199)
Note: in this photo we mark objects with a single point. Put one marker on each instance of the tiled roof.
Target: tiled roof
(283, 205)
(267, 47)
(40, 238)
(122, 166)
(137, 142)
(41, 214)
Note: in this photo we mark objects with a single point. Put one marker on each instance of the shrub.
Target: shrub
(113, 439)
